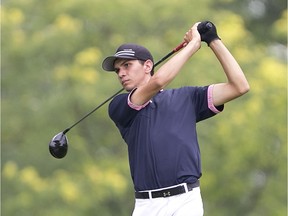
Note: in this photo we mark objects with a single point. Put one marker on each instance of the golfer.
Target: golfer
(159, 126)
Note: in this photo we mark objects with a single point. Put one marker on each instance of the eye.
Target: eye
(126, 65)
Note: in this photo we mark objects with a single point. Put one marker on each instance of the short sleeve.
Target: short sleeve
(134, 106)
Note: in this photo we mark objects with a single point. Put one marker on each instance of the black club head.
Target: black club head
(58, 146)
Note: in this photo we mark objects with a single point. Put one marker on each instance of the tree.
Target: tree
(51, 75)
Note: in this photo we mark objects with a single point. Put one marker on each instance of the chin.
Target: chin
(128, 88)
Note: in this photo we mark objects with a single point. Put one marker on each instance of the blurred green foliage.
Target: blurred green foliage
(51, 76)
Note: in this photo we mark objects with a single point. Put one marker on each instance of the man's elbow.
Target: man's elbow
(158, 82)
(243, 89)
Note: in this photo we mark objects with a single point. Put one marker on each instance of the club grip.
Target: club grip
(180, 46)
(203, 27)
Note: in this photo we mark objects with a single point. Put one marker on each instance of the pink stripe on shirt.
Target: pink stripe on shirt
(134, 106)
(210, 100)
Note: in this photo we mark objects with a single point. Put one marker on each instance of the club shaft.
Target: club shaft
(100, 105)
(176, 49)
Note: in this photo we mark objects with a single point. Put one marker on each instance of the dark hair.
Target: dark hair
(152, 71)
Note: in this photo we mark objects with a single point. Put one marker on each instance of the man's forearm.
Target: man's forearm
(230, 66)
(172, 67)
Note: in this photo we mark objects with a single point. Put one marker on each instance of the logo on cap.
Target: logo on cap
(125, 52)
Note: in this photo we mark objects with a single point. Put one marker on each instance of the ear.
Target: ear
(148, 66)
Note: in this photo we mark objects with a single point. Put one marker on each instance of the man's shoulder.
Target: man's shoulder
(186, 89)
(119, 97)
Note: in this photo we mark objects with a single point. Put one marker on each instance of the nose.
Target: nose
(121, 73)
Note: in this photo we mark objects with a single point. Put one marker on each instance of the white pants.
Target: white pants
(187, 204)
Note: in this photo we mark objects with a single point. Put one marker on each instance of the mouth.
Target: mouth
(124, 82)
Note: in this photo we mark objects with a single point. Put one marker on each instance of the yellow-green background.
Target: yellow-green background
(51, 55)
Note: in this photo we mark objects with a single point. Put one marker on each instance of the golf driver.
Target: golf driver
(58, 146)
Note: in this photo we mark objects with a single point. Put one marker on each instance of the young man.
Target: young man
(159, 126)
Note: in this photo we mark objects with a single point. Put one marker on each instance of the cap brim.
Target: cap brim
(108, 63)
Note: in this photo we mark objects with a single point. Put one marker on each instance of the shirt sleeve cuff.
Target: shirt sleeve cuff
(210, 100)
(134, 106)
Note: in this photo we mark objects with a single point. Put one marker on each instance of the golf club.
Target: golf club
(58, 146)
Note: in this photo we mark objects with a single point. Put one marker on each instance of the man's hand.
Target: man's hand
(193, 35)
(208, 32)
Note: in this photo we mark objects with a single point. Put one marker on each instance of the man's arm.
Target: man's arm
(169, 70)
(236, 84)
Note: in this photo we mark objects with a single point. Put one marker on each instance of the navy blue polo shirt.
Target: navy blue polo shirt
(161, 137)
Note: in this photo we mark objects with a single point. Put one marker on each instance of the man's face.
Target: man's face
(131, 73)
